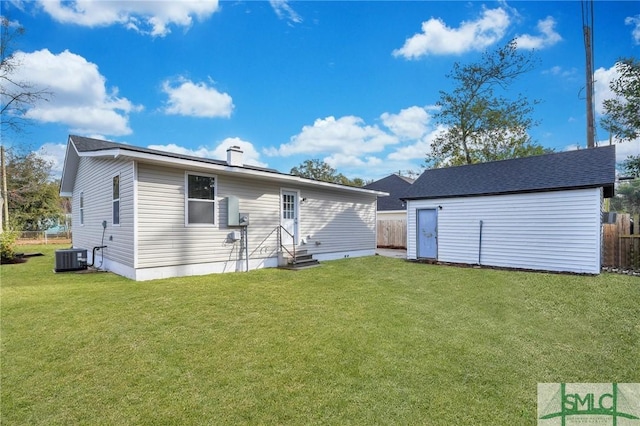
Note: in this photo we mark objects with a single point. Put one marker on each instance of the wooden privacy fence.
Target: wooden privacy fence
(392, 233)
(621, 245)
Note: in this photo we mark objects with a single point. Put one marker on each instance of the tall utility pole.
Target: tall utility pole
(587, 28)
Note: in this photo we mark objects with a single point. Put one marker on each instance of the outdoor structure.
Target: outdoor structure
(541, 213)
(391, 211)
(148, 214)
(391, 207)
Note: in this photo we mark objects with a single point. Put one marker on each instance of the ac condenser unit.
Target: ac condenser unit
(71, 260)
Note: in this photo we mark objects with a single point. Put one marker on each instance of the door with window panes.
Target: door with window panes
(289, 218)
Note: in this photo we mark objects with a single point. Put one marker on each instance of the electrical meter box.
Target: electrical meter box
(233, 211)
(243, 219)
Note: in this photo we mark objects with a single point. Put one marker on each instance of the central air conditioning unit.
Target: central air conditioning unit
(71, 260)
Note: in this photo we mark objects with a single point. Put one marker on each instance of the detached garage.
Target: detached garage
(541, 212)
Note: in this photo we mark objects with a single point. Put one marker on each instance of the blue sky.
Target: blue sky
(352, 83)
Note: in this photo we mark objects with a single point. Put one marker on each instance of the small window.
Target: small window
(288, 206)
(201, 196)
(116, 200)
(82, 208)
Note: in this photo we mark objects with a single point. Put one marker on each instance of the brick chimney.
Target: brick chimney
(234, 156)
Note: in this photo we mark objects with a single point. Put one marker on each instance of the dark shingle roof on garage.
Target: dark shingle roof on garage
(396, 186)
(586, 168)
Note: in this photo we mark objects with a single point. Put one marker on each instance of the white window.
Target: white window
(200, 199)
(82, 208)
(288, 206)
(116, 200)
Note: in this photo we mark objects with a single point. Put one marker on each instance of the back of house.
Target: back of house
(158, 214)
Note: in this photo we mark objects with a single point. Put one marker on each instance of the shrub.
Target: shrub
(7, 243)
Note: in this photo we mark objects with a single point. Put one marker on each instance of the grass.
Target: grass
(357, 341)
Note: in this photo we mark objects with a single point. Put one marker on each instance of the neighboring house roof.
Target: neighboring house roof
(585, 168)
(79, 147)
(396, 186)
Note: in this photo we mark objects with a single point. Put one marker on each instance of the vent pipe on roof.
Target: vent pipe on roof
(234, 156)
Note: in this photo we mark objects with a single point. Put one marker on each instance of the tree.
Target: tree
(34, 201)
(482, 125)
(622, 113)
(16, 96)
(627, 197)
(319, 170)
(631, 165)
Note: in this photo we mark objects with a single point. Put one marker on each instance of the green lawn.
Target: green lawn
(356, 341)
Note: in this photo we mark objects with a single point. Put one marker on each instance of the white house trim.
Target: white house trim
(135, 214)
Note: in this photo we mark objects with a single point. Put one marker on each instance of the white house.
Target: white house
(161, 214)
(541, 212)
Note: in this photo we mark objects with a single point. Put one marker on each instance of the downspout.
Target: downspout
(480, 245)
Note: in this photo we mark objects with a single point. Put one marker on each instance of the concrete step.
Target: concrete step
(302, 260)
(303, 265)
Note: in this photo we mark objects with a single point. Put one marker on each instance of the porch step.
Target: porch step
(302, 260)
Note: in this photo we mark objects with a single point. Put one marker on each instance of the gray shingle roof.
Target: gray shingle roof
(84, 144)
(396, 186)
(586, 168)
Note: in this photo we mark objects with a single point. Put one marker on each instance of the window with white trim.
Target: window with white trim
(81, 208)
(116, 200)
(200, 199)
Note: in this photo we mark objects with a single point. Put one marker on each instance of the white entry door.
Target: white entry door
(289, 218)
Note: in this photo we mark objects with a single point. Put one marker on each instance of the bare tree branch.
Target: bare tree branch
(16, 96)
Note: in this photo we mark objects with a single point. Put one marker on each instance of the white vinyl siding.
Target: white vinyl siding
(337, 222)
(95, 181)
(163, 238)
(555, 231)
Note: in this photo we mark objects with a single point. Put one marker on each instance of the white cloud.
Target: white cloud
(625, 149)
(357, 149)
(219, 152)
(561, 72)
(417, 150)
(635, 33)
(80, 98)
(548, 36)
(347, 135)
(54, 154)
(285, 11)
(339, 160)
(602, 91)
(249, 153)
(410, 123)
(437, 38)
(146, 17)
(196, 100)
